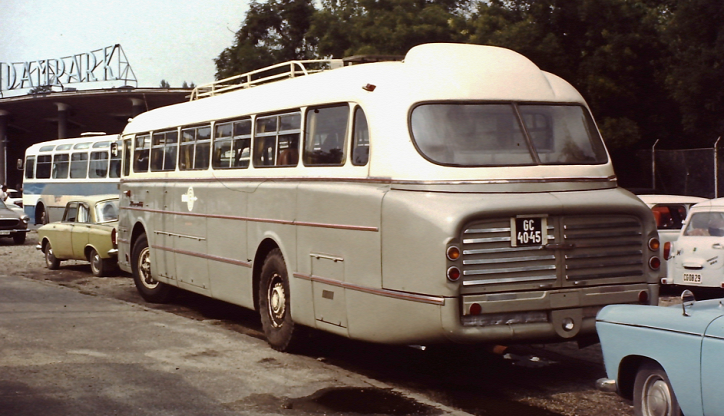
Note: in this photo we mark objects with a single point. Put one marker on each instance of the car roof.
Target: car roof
(92, 200)
(715, 204)
(671, 199)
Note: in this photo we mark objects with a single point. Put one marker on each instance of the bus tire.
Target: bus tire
(149, 289)
(99, 266)
(51, 262)
(274, 300)
(43, 216)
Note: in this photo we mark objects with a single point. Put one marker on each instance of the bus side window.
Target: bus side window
(326, 129)
(60, 166)
(361, 139)
(195, 148)
(141, 153)
(98, 164)
(45, 162)
(79, 165)
(276, 140)
(29, 167)
(126, 157)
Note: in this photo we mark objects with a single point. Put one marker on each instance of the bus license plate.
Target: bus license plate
(692, 278)
(527, 232)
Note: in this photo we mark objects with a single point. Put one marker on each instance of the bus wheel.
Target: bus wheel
(274, 300)
(99, 266)
(50, 261)
(149, 289)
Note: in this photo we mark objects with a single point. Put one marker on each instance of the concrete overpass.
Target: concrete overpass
(33, 118)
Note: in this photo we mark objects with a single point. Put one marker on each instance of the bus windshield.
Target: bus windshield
(487, 134)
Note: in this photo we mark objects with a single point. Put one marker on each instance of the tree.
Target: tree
(272, 32)
(389, 27)
(164, 84)
(695, 39)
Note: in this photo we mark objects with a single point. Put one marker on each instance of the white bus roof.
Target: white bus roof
(429, 73)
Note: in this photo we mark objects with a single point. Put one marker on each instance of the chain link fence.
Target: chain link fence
(691, 172)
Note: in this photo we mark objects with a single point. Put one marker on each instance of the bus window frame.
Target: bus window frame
(307, 153)
(260, 140)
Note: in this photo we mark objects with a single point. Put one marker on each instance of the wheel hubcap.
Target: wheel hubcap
(277, 301)
(657, 399)
(144, 269)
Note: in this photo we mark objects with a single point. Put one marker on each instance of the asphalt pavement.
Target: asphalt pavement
(63, 352)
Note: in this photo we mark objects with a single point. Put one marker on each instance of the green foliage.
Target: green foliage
(164, 84)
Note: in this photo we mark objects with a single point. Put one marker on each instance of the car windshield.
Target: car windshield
(706, 224)
(494, 134)
(107, 210)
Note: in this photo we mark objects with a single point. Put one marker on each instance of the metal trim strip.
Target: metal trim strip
(413, 297)
(203, 256)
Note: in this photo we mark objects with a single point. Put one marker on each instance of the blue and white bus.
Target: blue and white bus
(60, 170)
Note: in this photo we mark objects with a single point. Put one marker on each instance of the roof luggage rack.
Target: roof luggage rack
(278, 72)
(272, 73)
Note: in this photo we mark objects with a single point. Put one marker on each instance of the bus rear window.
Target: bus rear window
(464, 134)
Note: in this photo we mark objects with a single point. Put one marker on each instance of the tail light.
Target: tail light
(453, 274)
(654, 244)
(113, 238)
(654, 263)
(667, 250)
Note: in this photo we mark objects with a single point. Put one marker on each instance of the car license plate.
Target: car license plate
(4, 232)
(529, 231)
(692, 278)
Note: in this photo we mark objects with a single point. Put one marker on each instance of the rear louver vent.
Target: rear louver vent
(608, 247)
(488, 257)
(578, 248)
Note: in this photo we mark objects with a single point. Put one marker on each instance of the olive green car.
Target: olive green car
(86, 232)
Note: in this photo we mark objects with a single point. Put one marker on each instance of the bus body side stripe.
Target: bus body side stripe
(252, 219)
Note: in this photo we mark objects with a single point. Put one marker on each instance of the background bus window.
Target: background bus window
(277, 140)
(60, 166)
(45, 162)
(361, 139)
(141, 153)
(98, 165)
(326, 130)
(115, 167)
(29, 167)
(79, 165)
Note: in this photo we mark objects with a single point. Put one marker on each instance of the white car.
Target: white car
(697, 256)
(14, 197)
(670, 212)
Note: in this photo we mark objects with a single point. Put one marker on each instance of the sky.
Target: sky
(172, 40)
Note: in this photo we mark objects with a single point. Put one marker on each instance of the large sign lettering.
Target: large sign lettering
(105, 64)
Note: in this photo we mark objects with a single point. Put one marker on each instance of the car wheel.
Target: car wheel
(99, 266)
(51, 262)
(653, 395)
(19, 238)
(274, 305)
(150, 289)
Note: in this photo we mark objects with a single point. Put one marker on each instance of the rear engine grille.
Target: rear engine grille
(578, 248)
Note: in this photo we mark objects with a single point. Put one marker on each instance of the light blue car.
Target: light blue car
(668, 360)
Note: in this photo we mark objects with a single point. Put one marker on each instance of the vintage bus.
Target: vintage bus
(61, 170)
(459, 195)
